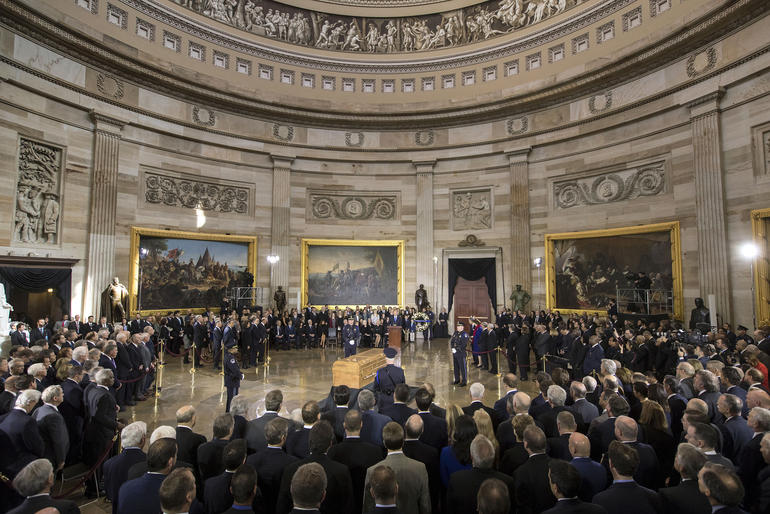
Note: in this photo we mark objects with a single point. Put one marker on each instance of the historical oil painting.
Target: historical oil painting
(175, 269)
(340, 272)
(584, 270)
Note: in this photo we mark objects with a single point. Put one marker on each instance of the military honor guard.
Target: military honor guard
(233, 375)
(350, 337)
(459, 345)
(388, 377)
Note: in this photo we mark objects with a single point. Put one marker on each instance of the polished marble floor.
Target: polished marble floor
(302, 375)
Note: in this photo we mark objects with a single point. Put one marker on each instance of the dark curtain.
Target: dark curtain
(39, 280)
(473, 269)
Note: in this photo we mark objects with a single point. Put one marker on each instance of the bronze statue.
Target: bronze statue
(280, 299)
(115, 301)
(520, 298)
(421, 298)
(700, 317)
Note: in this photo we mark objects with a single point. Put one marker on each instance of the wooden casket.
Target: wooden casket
(357, 370)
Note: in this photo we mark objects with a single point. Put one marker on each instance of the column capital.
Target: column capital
(107, 123)
(519, 154)
(282, 161)
(424, 166)
(706, 104)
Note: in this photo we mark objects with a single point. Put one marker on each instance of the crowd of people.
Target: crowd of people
(643, 418)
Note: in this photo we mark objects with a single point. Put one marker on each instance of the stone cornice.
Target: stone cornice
(107, 123)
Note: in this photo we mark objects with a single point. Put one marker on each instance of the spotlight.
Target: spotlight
(538, 262)
(749, 250)
(272, 259)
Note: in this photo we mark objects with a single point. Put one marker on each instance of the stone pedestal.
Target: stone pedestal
(520, 255)
(424, 239)
(104, 199)
(713, 269)
(280, 227)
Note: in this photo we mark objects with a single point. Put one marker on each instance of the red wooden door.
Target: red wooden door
(472, 299)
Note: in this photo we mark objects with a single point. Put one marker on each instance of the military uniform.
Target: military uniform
(233, 378)
(350, 336)
(387, 378)
(459, 345)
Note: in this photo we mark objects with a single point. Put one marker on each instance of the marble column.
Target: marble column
(280, 225)
(520, 256)
(713, 265)
(424, 240)
(103, 212)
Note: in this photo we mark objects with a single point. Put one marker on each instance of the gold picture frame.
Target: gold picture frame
(354, 243)
(759, 229)
(672, 228)
(138, 232)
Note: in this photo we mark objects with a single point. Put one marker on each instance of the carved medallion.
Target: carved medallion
(110, 86)
(701, 62)
(328, 205)
(600, 103)
(471, 241)
(207, 120)
(647, 180)
(424, 137)
(354, 139)
(283, 132)
(516, 126)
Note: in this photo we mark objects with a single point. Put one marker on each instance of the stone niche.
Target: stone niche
(472, 209)
(37, 209)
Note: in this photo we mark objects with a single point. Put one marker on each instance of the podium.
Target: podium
(357, 370)
(394, 337)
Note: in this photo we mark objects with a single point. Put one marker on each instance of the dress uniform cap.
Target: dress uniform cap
(390, 353)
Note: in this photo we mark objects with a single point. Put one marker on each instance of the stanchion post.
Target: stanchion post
(499, 361)
(267, 351)
(192, 370)
(544, 359)
(159, 377)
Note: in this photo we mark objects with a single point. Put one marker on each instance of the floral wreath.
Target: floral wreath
(422, 321)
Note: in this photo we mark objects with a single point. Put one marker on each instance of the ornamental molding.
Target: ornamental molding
(354, 139)
(600, 103)
(761, 149)
(352, 207)
(701, 62)
(186, 191)
(110, 86)
(424, 137)
(611, 186)
(517, 126)
(209, 120)
(283, 133)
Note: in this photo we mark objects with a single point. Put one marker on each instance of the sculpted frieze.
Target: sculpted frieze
(472, 209)
(38, 193)
(328, 205)
(615, 186)
(194, 193)
(379, 35)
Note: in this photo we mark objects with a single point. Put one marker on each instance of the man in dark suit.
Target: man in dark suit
(580, 405)
(676, 405)
(707, 389)
(623, 463)
(751, 461)
(476, 391)
(735, 431)
(648, 472)
(372, 422)
(309, 488)
(199, 339)
(686, 498)
(556, 399)
(255, 432)
(34, 482)
(39, 333)
(706, 438)
(511, 382)
(339, 488)
(74, 412)
(210, 454)
(142, 494)
(357, 455)
(52, 427)
(341, 397)
(10, 390)
(435, 429)
(415, 449)
(102, 423)
(398, 411)
(464, 484)
(558, 447)
(533, 494)
(187, 441)
(564, 481)
(297, 442)
(137, 324)
(24, 441)
(270, 462)
(216, 343)
(722, 487)
(594, 355)
(115, 469)
(107, 358)
(731, 378)
(434, 409)
(604, 433)
(593, 476)
(217, 495)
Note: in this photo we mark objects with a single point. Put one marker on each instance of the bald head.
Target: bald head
(625, 429)
(698, 405)
(414, 427)
(757, 398)
(521, 403)
(185, 415)
(579, 445)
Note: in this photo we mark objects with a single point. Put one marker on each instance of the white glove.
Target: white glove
(454, 350)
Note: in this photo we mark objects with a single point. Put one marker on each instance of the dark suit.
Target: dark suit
(255, 431)
(677, 405)
(751, 463)
(210, 459)
(217, 495)
(574, 506)
(187, 443)
(116, 472)
(629, 498)
(464, 486)
(25, 443)
(685, 498)
(558, 447)
(372, 424)
(398, 412)
(593, 477)
(358, 456)
(141, 495)
(500, 407)
(53, 430)
(587, 411)
(269, 465)
(533, 492)
(435, 432)
(102, 424)
(476, 405)
(648, 472)
(298, 443)
(339, 412)
(601, 437)
(38, 503)
(711, 400)
(437, 411)
(429, 456)
(736, 434)
(548, 419)
(7, 401)
(513, 458)
(339, 488)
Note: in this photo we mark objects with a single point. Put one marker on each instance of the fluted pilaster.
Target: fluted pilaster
(103, 212)
(520, 233)
(713, 269)
(424, 252)
(280, 223)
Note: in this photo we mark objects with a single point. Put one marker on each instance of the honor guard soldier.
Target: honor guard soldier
(459, 345)
(233, 375)
(350, 336)
(387, 378)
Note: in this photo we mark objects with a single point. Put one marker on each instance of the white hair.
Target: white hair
(239, 406)
(132, 435)
(36, 368)
(28, 397)
(104, 376)
(80, 351)
(33, 478)
(477, 390)
(556, 395)
(609, 367)
(590, 383)
(162, 432)
(51, 392)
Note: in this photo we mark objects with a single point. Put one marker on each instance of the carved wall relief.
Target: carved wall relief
(761, 148)
(608, 187)
(332, 205)
(188, 192)
(38, 193)
(471, 209)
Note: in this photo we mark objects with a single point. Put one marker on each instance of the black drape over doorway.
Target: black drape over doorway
(472, 269)
(38, 280)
